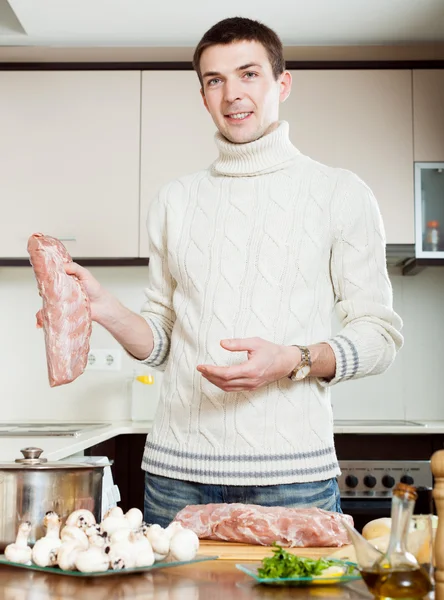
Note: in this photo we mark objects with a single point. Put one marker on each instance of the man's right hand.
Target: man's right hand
(128, 328)
(98, 296)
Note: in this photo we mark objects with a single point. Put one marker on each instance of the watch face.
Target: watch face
(303, 372)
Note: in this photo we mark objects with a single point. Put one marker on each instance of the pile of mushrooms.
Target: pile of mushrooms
(120, 541)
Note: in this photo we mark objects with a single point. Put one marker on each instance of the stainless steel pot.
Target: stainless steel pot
(32, 486)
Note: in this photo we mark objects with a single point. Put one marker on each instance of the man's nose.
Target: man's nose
(232, 90)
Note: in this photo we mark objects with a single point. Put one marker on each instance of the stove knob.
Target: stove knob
(407, 479)
(370, 481)
(351, 481)
(388, 481)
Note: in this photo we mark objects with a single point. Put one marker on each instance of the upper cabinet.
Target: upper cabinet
(69, 156)
(177, 134)
(360, 120)
(428, 115)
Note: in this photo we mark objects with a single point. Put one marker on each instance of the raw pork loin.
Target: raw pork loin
(66, 314)
(263, 525)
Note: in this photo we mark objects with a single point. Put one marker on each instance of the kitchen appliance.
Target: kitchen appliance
(378, 423)
(366, 487)
(32, 486)
(47, 429)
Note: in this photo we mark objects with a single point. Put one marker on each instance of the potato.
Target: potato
(377, 528)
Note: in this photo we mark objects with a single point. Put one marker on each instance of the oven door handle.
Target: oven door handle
(377, 508)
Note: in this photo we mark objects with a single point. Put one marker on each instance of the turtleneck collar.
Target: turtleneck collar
(269, 153)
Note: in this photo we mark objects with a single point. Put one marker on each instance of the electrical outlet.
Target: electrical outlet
(104, 360)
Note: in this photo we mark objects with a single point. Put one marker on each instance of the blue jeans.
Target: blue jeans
(165, 497)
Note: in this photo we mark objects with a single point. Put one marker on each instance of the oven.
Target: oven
(366, 487)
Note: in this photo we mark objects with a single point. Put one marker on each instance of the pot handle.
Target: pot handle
(31, 455)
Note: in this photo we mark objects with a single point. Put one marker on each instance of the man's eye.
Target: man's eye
(250, 75)
(213, 81)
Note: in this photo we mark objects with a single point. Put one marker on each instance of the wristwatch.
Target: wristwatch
(303, 368)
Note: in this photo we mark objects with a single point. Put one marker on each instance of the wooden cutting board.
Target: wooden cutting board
(246, 552)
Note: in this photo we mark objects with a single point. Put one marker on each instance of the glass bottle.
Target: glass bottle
(397, 574)
(143, 390)
(432, 236)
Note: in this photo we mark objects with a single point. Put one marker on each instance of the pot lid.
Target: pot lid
(32, 459)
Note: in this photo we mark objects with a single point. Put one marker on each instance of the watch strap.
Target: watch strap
(304, 362)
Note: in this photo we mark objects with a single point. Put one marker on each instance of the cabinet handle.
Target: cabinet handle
(67, 239)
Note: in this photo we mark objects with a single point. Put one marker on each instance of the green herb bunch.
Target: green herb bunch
(283, 564)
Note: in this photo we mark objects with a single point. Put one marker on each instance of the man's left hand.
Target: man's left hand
(267, 362)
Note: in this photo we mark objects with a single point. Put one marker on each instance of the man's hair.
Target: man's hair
(239, 29)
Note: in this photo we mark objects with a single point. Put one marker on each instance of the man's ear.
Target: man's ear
(285, 86)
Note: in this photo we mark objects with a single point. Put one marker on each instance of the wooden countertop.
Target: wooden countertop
(216, 579)
(212, 580)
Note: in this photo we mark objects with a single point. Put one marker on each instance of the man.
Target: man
(247, 260)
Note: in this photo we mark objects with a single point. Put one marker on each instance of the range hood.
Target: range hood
(400, 255)
(403, 256)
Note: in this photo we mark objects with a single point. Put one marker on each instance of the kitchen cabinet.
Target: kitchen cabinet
(428, 114)
(69, 156)
(177, 134)
(360, 120)
(429, 213)
(126, 452)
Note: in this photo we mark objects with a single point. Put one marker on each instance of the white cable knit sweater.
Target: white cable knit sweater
(264, 243)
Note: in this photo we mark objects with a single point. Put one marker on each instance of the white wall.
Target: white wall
(411, 389)
(24, 387)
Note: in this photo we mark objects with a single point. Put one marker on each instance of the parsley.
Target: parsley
(284, 564)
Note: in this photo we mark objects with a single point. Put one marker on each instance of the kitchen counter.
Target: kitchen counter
(212, 580)
(58, 448)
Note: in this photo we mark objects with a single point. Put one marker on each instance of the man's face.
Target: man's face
(240, 91)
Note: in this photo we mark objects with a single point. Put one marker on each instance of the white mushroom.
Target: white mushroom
(44, 552)
(134, 517)
(96, 537)
(82, 518)
(92, 530)
(173, 528)
(114, 519)
(92, 560)
(142, 549)
(183, 546)
(19, 551)
(122, 555)
(159, 540)
(114, 511)
(120, 535)
(70, 533)
(67, 555)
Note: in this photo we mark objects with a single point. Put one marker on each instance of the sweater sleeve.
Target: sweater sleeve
(158, 308)
(370, 336)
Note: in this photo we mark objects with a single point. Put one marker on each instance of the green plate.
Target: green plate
(58, 571)
(252, 568)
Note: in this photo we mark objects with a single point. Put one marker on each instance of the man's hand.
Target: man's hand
(267, 362)
(130, 329)
(99, 298)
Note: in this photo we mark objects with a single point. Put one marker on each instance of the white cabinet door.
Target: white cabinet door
(69, 160)
(177, 134)
(360, 120)
(428, 115)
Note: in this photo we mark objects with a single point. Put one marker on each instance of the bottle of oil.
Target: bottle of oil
(397, 574)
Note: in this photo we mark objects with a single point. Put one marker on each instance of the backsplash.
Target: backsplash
(411, 389)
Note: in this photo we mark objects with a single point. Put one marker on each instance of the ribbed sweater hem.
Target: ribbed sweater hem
(249, 468)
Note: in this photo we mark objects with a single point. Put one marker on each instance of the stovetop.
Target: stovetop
(378, 423)
(47, 429)
(376, 478)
